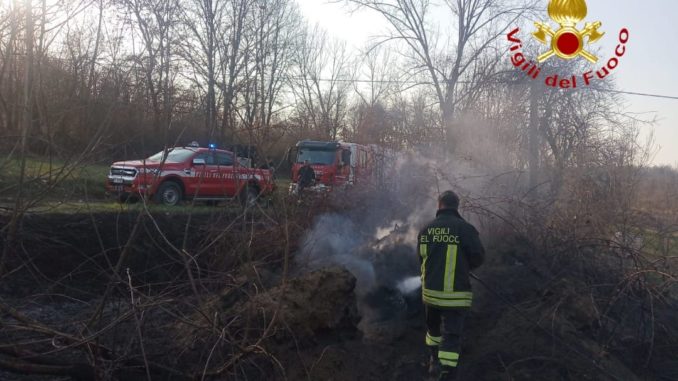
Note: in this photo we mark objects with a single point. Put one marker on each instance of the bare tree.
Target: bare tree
(270, 40)
(155, 20)
(478, 24)
(27, 121)
(321, 81)
(204, 20)
(377, 79)
(9, 27)
(232, 63)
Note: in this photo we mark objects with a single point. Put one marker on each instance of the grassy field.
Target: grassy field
(112, 206)
(57, 180)
(64, 187)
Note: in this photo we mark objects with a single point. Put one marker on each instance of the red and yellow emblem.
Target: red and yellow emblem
(568, 42)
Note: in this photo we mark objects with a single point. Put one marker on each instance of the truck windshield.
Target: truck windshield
(324, 157)
(176, 155)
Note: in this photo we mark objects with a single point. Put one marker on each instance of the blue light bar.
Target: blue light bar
(212, 146)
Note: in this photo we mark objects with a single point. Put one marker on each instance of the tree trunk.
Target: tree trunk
(17, 213)
(533, 136)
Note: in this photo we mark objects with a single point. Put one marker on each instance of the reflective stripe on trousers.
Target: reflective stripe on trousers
(448, 358)
(433, 341)
(444, 328)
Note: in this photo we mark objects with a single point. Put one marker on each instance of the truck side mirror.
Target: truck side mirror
(198, 161)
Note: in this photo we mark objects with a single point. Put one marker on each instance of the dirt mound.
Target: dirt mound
(269, 324)
(317, 302)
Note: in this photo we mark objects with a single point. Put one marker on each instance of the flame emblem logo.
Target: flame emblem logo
(568, 42)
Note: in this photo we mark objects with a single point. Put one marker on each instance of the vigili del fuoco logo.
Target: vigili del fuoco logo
(567, 42)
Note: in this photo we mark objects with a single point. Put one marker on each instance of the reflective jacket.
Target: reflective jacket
(448, 248)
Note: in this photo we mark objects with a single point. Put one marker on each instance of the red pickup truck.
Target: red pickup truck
(202, 174)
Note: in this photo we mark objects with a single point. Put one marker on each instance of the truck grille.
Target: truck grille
(128, 172)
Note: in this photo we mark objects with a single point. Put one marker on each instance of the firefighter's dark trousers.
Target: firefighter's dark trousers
(443, 331)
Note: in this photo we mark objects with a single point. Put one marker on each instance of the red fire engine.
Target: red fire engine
(202, 174)
(335, 163)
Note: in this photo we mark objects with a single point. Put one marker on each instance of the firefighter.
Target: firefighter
(448, 248)
(270, 165)
(306, 177)
(267, 164)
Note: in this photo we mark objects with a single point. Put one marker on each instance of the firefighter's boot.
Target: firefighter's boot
(434, 364)
(448, 373)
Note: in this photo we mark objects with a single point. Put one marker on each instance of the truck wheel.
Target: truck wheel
(249, 196)
(169, 193)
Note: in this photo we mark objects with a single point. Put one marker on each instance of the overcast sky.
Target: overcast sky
(650, 65)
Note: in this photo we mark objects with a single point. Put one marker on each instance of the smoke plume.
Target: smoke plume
(377, 243)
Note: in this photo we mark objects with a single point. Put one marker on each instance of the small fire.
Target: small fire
(384, 231)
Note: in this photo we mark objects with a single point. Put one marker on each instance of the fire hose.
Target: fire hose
(524, 315)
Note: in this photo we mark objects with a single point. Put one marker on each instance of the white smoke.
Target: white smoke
(385, 231)
(409, 285)
(358, 239)
(376, 241)
(334, 240)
